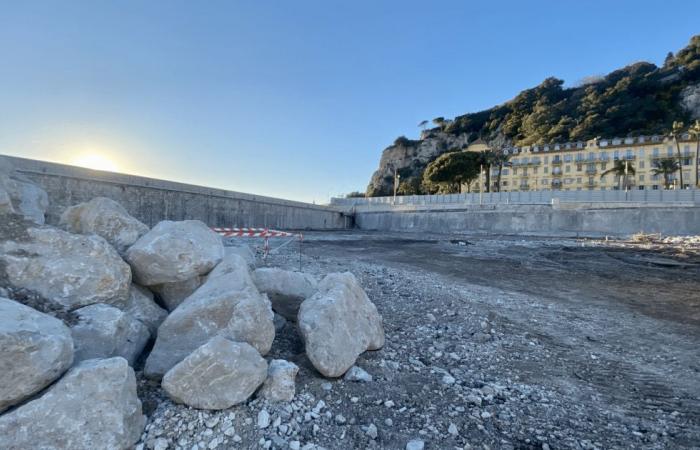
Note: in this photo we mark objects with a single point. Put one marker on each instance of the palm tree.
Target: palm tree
(666, 167)
(500, 159)
(695, 129)
(423, 124)
(622, 170)
(487, 159)
(675, 133)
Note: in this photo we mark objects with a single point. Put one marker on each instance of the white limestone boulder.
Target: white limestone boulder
(174, 251)
(286, 289)
(217, 375)
(103, 331)
(173, 294)
(279, 386)
(339, 323)
(244, 251)
(106, 218)
(228, 305)
(93, 406)
(70, 270)
(141, 306)
(25, 197)
(35, 349)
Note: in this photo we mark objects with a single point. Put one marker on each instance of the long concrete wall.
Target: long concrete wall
(544, 220)
(152, 200)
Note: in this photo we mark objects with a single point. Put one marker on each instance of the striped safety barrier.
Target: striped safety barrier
(252, 232)
(264, 233)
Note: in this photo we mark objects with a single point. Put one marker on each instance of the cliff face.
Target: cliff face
(639, 99)
(409, 158)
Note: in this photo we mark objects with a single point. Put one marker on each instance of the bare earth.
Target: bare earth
(517, 343)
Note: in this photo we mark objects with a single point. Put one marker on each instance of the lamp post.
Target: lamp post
(397, 177)
(481, 183)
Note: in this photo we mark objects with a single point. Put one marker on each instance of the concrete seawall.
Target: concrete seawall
(545, 220)
(151, 200)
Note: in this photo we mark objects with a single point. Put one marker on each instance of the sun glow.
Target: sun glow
(95, 161)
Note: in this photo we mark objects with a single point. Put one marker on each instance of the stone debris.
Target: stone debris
(357, 374)
(103, 331)
(106, 218)
(244, 251)
(415, 444)
(217, 375)
(280, 383)
(35, 349)
(286, 289)
(229, 306)
(68, 269)
(141, 306)
(339, 323)
(174, 251)
(94, 405)
(19, 195)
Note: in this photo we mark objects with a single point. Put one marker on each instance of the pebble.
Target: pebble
(160, 444)
(415, 444)
(448, 379)
(372, 431)
(294, 445)
(452, 429)
(357, 374)
(389, 404)
(263, 419)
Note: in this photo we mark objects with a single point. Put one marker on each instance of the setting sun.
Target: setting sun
(95, 161)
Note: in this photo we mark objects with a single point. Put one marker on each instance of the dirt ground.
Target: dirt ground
(491, 342)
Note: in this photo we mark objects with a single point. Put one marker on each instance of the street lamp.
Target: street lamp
(397, 178)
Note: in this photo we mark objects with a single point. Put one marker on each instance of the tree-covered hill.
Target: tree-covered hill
(639, 99)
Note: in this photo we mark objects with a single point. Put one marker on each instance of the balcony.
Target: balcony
(556, 173)
(556, 162)
(524, 187)
(591, 171)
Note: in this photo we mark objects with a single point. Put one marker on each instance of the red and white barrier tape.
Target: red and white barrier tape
(252, 232)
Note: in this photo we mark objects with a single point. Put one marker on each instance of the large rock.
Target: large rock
(20, 195)
(173, 294)
(104, 331)
(104, 217)
(244, 251)
(35, 349)
(279, 385)
(338, 323)
(67, 269)
(141, 306)
(93, 406)
(286, 289)
(217, 375)
(174, 251)
(228, 304)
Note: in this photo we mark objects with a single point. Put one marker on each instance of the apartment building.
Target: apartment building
(580, 165)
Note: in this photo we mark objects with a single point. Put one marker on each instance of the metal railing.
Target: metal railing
(533, 197)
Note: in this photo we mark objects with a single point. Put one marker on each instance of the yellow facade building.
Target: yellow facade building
(578, 166)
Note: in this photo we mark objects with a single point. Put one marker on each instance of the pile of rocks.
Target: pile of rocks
(80, 304)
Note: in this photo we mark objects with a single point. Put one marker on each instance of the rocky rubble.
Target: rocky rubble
(19, 195)
(75, 335)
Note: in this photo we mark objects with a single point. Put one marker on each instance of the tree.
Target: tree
(622, 170)
(695, 129)
(487, 159)
(676, 130)
(423, 124)
(669, 59)
(666, 167)
(451, 170)
(355, 194)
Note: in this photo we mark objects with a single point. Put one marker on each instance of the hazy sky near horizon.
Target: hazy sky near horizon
(290, 99)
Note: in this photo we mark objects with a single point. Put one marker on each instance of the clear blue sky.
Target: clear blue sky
(290, 99)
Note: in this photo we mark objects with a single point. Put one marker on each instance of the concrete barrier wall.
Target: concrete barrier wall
(152, 200)
(540, 220)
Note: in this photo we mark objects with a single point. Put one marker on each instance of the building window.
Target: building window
(641, 153)
(669, 151)
(546, 159)
(686, 162)
(534, 169)
(579, 167)
(655, 152)
(578, 180)
(641, 178)
(655, 187)
(603, 166)
(546, 169)
(568, 169)
(641, 164)
(641, 188)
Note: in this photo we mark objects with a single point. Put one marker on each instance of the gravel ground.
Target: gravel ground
(491, 342)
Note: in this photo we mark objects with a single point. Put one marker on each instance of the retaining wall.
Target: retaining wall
(151, 200)
(543, 220)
